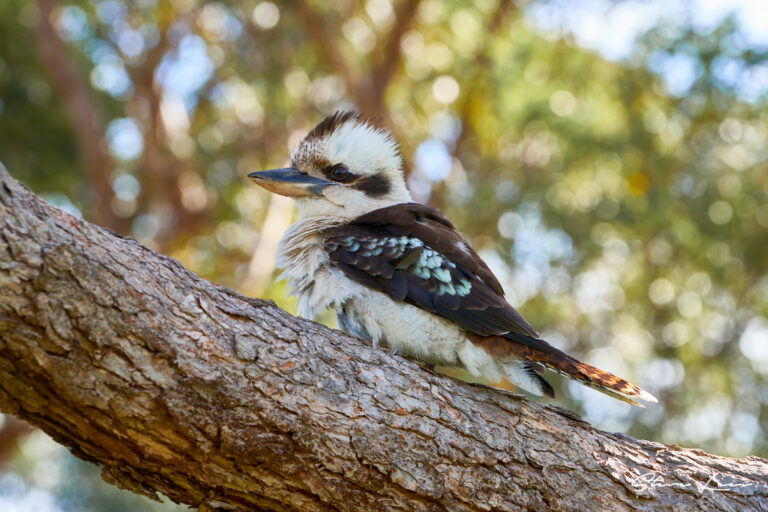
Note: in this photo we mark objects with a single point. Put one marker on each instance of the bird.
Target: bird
(398, 273)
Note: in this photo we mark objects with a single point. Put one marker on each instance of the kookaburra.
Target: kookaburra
(397, 272)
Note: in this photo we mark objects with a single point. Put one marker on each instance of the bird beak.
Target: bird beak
(290, 182)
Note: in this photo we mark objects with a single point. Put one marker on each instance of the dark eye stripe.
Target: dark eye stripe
(374, 185)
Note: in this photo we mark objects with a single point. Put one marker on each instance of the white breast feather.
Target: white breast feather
(311, 278)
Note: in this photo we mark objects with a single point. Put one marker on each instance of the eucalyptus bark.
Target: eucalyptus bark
(181, 387)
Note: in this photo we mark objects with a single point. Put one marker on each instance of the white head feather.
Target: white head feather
(367, 151)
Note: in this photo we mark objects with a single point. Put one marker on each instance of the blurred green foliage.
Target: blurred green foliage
(626, 215)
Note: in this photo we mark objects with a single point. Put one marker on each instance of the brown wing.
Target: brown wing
(414, 254)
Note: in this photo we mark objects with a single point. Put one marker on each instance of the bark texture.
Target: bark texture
(178, 386)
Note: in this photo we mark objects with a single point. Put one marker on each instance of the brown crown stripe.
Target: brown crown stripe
(330, 123)
(320, 162)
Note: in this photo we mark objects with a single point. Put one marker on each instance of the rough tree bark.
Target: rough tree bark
(178, 386)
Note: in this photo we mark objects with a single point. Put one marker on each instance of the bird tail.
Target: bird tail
(539, 352)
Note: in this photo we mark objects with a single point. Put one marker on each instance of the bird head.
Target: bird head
(344, 167)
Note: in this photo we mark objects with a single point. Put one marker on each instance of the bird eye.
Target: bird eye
(339, 173)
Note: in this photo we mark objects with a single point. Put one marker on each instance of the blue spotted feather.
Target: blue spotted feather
(414, 254)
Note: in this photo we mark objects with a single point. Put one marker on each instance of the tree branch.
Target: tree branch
(474, 84)
(85, 115)
(160, 167)
(13, 431)
(366, 88)
(382, 74)
(178, 386)
(325, 42)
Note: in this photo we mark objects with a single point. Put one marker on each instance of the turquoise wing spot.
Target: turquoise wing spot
(415, 242)
(463, 288)
(435, 261)
(427, 259)
(442, 274)
(422, 272)
(446, 288)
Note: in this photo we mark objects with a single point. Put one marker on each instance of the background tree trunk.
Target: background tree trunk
(178, 386)
(85, 115)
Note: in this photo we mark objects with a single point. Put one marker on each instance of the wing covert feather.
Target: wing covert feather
(414, 254)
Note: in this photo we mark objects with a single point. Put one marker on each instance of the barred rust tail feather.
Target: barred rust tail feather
(539, 351)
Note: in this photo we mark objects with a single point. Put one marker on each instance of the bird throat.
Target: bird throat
(300, 255)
